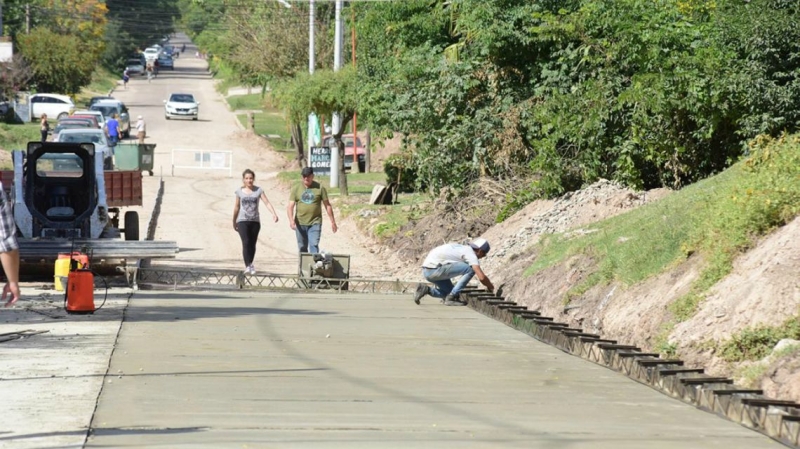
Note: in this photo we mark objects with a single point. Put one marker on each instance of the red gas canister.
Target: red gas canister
(80, 292)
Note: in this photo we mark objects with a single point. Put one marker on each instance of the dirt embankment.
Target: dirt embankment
(763, 287)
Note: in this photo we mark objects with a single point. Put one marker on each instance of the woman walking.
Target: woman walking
(45, 127)
(246, 220)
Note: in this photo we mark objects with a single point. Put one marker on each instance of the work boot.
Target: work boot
(422, 290)
(454, 300)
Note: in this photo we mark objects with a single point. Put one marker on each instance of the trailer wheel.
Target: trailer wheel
(131, 225)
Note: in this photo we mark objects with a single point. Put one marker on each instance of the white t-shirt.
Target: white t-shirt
(140, 126)
(450, 253)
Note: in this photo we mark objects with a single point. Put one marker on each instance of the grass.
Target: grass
(251, 101)
(17, 136)
(103, 80)
(719, 217)
(357, 183)
(757, 342)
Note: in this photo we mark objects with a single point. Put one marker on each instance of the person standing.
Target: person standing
(305, 211)
(125, 78)
(451, 260)
(141, 129)
(9, 250)
(45, 127)
(246, 220)
(113, 135)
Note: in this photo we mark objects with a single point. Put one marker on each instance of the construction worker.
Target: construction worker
(448, 261)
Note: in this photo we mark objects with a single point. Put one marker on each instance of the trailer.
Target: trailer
(63, 199)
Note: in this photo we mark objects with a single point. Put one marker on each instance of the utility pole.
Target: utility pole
(27, 18)
(337, 64)
(1, 18)
(311, 63)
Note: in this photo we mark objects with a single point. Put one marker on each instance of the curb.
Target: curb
(776, 419)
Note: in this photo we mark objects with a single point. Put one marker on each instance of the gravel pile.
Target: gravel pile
(567, 212)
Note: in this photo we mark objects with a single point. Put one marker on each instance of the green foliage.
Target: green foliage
(757, 342)
(397, 165)
(17, 136)
(58, 62)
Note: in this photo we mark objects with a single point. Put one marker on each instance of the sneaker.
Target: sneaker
(252, 269)
(422, 290)
(454, 300)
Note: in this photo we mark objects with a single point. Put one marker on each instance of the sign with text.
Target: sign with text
(320, 161)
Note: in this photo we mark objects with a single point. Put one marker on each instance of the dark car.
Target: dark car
(94, 100)
(165, 62)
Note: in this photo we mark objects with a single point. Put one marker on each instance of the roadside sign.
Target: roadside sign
(320, 161)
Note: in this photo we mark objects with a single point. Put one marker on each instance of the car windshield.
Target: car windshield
(181, 98)
(72, 125)
(134, 62)
(105, 110)
(95, 138)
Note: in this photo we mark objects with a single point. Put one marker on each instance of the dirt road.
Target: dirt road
(198, 203)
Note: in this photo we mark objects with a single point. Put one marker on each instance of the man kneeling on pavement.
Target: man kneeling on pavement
(449, 261)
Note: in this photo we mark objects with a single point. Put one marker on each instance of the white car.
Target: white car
(54, 105)
(181, 105)
(87, 135)
(151, 53)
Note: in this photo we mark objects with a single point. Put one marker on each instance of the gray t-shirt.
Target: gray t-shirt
(248, 204)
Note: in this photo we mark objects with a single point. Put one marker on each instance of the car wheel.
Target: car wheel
(166, 116)
(194, 118)
(62, 115)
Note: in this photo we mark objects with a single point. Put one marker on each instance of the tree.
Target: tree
(58, 62)
(324, 92)
(14, 76)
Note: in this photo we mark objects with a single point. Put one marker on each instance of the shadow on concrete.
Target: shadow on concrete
(226, 374)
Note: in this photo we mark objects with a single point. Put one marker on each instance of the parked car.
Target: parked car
(181, 105)
(165, 62)
(113, 106)
(69, 123)
(348, 150)
(151, 53)
(96, 115)
(86, 135)
(94, 100)
(134, 67)
(54, 105)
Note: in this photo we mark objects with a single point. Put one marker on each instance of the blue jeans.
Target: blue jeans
(441, 278)
(308, 237)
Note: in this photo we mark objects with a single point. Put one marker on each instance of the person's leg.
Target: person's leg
(302, 238)
(253, 230)
(314, 233)
(244, 234)
(442, 276)
(44, 136)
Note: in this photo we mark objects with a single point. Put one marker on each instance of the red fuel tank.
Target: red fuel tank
(80, 292)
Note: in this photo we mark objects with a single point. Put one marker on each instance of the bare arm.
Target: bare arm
(483, 278)
(269, 206)
(290, 214)
(236, 207)
(329, 210)
(10, 262)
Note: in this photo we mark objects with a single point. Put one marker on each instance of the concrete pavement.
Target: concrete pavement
(260, 369)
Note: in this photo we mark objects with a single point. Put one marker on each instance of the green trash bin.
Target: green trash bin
(146, 156)
(126, 156)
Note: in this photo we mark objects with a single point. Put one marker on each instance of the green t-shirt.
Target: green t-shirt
(308, 202)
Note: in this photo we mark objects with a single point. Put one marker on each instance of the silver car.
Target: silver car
(181, 105)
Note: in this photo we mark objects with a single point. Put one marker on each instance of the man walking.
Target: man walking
(305, 211)
(113, 134)
(141, 129)
(448, 261)
(9, 250)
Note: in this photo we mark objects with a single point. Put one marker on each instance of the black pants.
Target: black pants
(248, 231)
(44, 136)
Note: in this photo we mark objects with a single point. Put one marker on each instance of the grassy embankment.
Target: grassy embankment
(15, 136)
(270, 121)
(718, 218)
